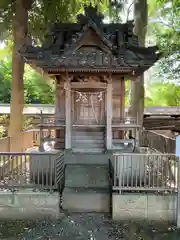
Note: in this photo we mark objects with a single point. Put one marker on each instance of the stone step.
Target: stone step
(88, 138)
(87, 176)
(78, 157)
(87, 150)
(86, 200)
(87, 145)
(87, 134)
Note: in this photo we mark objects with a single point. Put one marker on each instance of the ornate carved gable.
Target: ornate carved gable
(91, 36)
(91, 45)
(88, 56)
(89, 39)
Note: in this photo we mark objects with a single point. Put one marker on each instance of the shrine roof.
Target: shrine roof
(90, 45)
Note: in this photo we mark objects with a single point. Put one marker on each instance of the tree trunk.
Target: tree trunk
(20, 30)
(136, 108)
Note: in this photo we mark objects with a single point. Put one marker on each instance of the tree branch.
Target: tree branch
(160, 20)
(128, 10)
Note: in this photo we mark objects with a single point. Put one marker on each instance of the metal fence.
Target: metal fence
(159, 142)
(145, 172)
(31, 170)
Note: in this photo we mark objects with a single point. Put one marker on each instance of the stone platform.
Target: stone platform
(26, 204)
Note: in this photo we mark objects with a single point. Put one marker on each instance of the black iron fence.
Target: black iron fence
(145, 172)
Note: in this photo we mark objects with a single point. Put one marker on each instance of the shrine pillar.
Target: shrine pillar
(122, 105)
(57, 111)
(68, 126)
(109, 116)
(122, 98)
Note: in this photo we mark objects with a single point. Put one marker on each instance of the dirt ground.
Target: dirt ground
(86, 226)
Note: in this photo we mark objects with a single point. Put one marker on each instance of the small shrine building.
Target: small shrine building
(90, 61)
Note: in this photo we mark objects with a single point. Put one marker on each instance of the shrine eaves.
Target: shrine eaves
(91, 46)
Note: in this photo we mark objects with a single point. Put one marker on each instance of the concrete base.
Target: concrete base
(29, 205)
(148, 206)
(86, 200)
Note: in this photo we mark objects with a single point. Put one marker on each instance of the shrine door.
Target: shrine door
(88, 122)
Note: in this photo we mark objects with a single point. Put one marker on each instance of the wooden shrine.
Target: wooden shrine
(90, 62)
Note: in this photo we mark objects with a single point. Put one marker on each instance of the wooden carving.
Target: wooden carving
(91, 46)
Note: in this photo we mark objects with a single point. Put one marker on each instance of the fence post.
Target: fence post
(178, 195)
(178, 182)
(9, 144)
(41, 133)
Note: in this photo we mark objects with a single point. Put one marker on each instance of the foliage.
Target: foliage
(163, 94)
(37, 88)
(4, 123)
(164, 25)
(5, 80)
(43, 14)
(2, 131)
(116, 10)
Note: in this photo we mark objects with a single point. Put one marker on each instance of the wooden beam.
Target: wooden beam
(88, 85)
(57, 98)
(88, 73)
(68, 114)
(122, 98)
(109, 116)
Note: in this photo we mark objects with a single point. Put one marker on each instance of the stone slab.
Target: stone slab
(129, 201)
(85, 201)
(147, 206)
(79, 175)
(164, 202)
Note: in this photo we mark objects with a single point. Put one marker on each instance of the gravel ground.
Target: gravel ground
(84, 227)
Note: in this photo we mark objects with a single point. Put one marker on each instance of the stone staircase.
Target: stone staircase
(88, 140)
(87, 183)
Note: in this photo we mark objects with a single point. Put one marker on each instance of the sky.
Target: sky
(2, 45)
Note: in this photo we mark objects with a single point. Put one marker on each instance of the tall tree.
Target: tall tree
(137, 87)
(20, 34)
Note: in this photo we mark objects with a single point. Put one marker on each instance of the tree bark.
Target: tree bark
(136, 108)
(20, 30)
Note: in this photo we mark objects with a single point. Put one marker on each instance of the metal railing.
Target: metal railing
(31, 170)
(145, 172)
(59, 167)
(159, 142)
